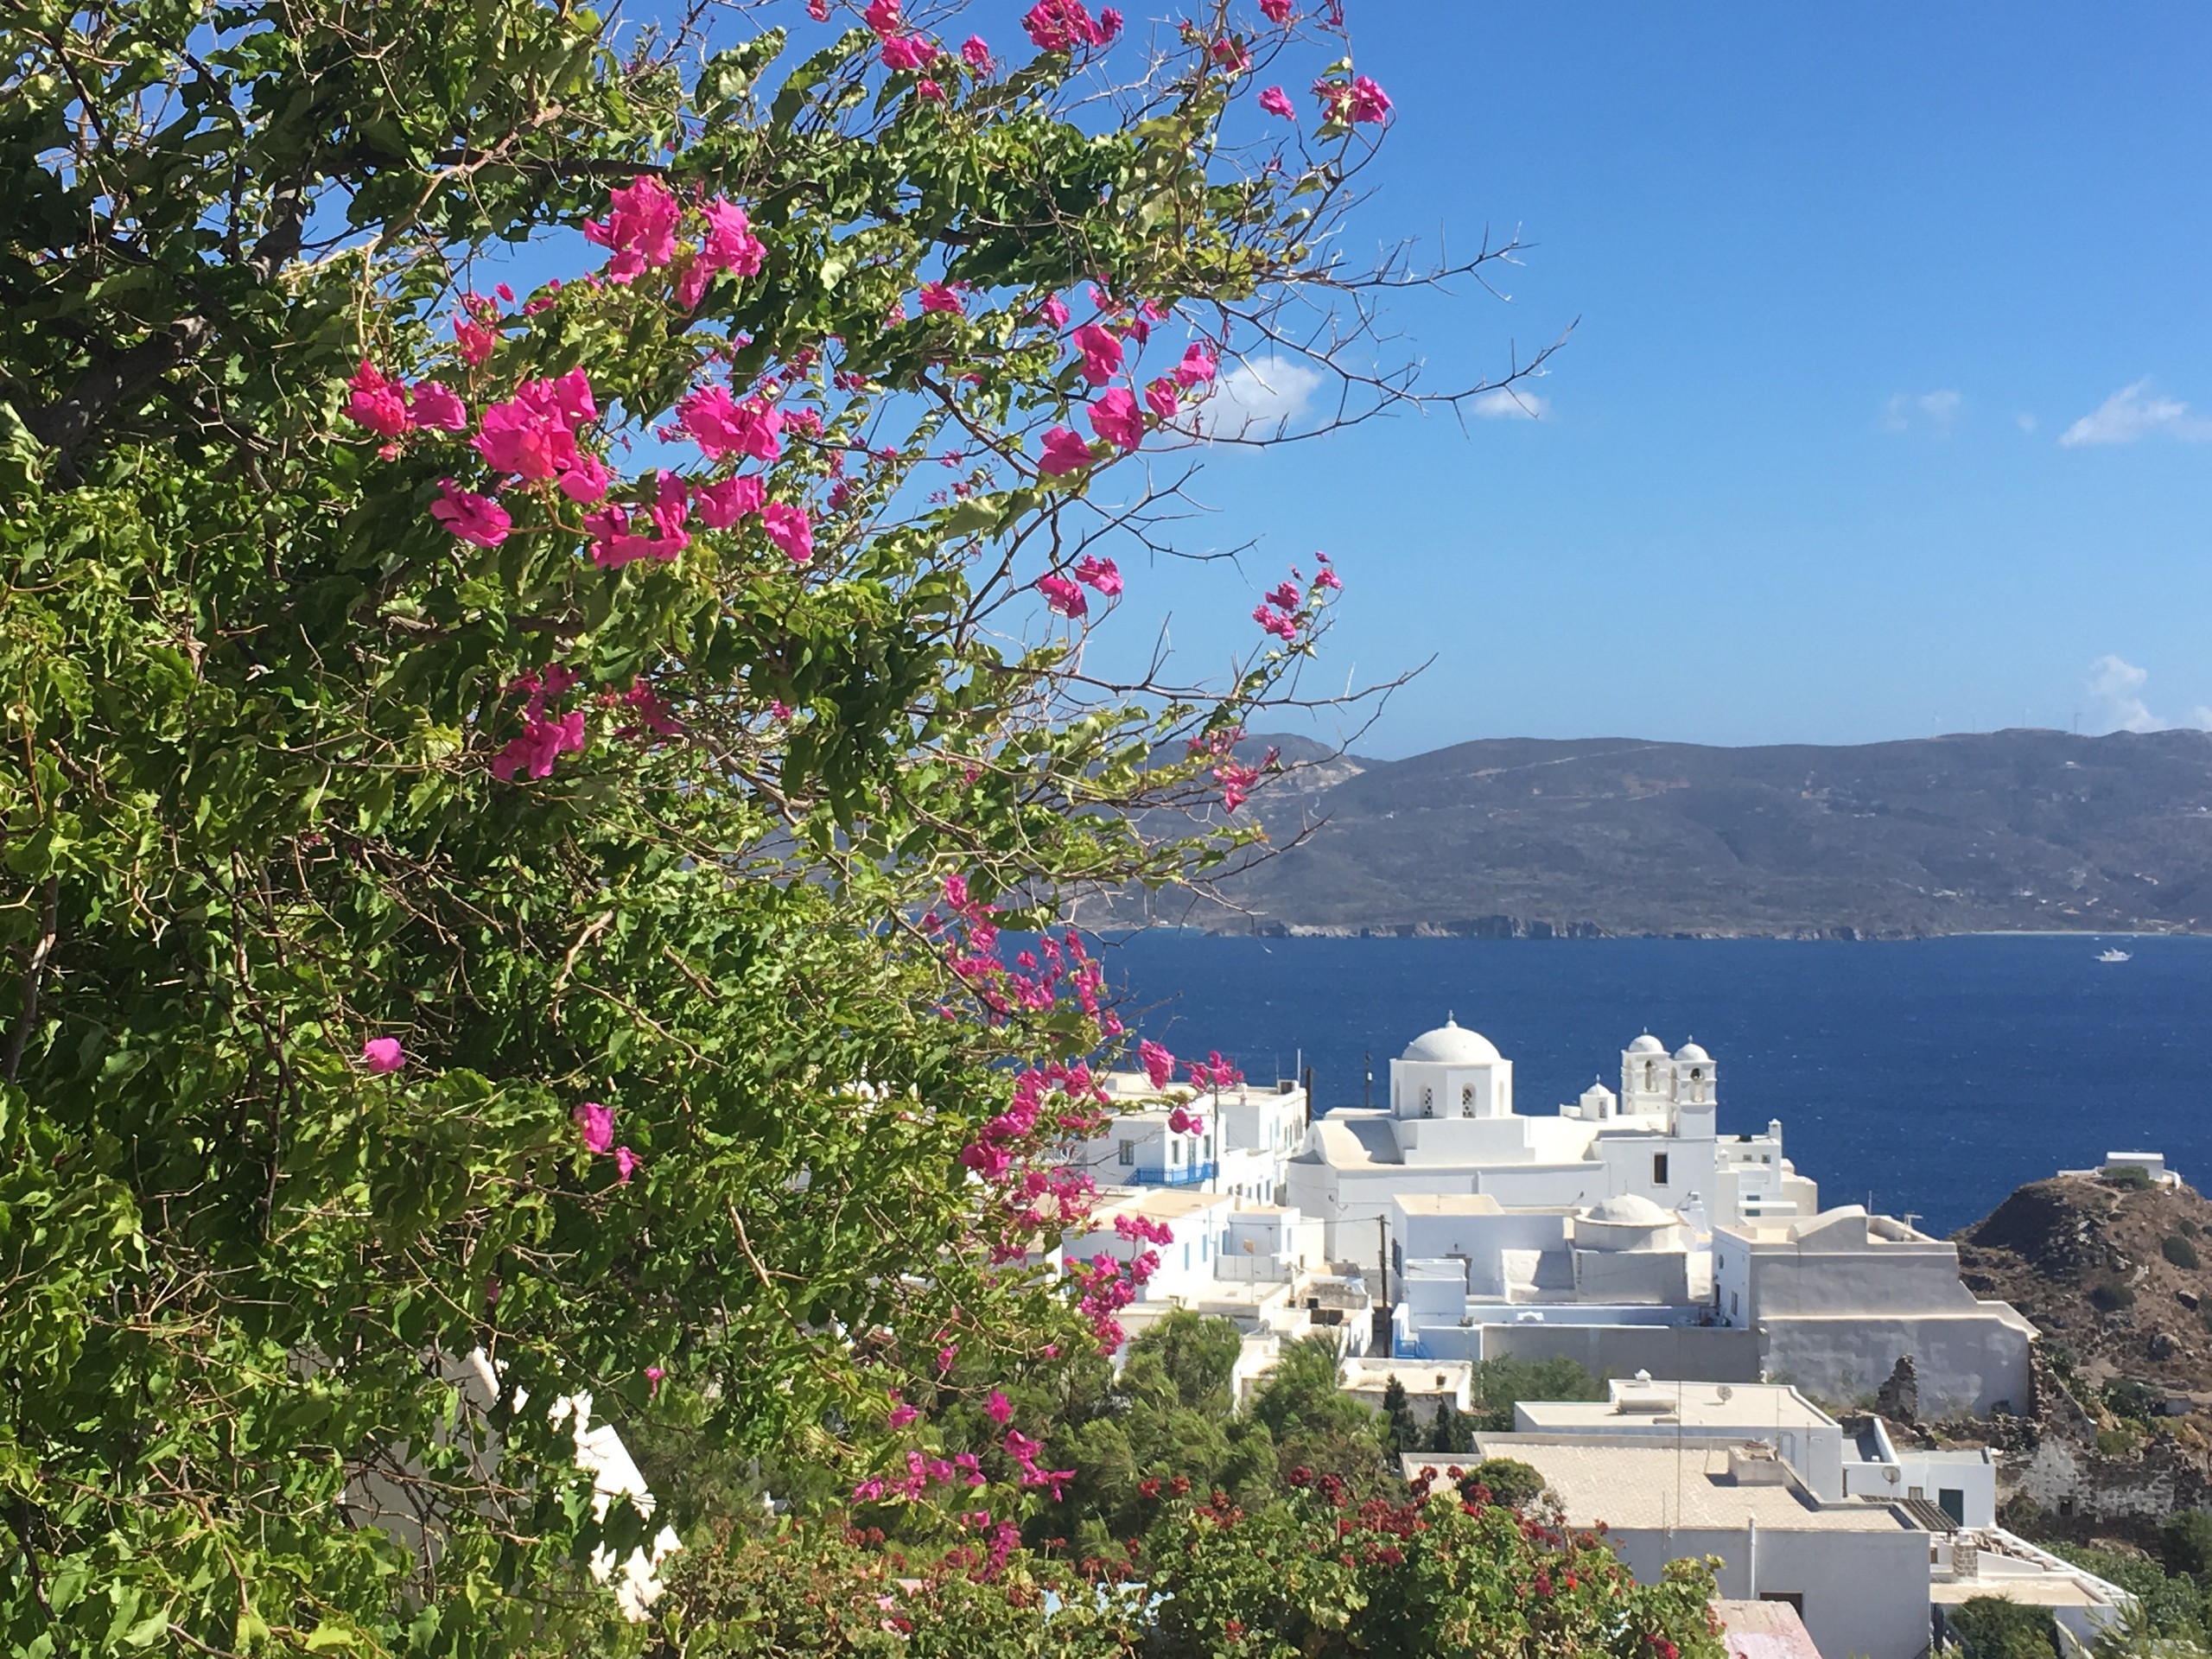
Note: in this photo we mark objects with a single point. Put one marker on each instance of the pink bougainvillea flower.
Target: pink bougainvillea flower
(1000, 1408)
(626, 1164)
(379, 402)
(790, 529)
(1101, 574)
(1276, 11)
(940, 297)
(975, 55)
(640, 228)
(901, 1415)
(1285, 598)
(1102, 353)
(908, 52)
(1325, 577)
(1277, 623)
(779, 710)
(541, 742)
(929, 91)
(1275, 101)
(1065, 451)
(1228, 53)
(653, 1375)
(1162, 398)
(436, 406)
(383, 1054)
(584, 481)
(525, 437)
(1109, 24)
(474, 340)
(1116, 418)
(1063, 25)
(1178, 1121)
(731, 245)
(721, 426)
(1199, 365)
(882, 16)
(818, 9)
(1361, 100)
(1159, 1063)
(723, 503)
(597, 1123)
(473, 517)
(1054, 311)
(1062, 596)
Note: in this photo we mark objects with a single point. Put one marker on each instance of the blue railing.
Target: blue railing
(1178, 1175)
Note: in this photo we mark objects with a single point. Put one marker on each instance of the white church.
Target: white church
(1451, 1129)
(1621, 1230)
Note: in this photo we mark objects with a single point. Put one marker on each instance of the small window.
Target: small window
(1127, 1156)
(1428, 1102)
(1207, 1155)
(1735, 1305)
(1658, 1169)
(1174, 1149)
(1952, 1500)
(1467, 1101)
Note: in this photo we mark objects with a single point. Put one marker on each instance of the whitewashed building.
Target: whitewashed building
(1247, 1137)
(1450, 1128)
(1839, 1298)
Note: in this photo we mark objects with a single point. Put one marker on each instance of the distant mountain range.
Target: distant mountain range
(2020, 829)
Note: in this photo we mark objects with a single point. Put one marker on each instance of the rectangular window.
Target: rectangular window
(1128, 1154)
(1735, 1305)
(1658, 1169)
(1174, 1149)
(1952, 1500)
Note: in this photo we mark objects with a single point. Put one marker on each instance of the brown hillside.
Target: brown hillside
(2089, 1260)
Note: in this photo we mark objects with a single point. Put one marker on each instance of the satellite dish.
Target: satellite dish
(1727, 1394)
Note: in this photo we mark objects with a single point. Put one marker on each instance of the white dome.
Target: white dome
(1631, 1210)
(1647, 1044)
(1692, 1051)
(1450, 1044)
(1597, 1091)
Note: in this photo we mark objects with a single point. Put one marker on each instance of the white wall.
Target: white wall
(1865, 1593)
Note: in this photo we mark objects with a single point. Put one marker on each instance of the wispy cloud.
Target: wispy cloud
(2026, 421)
(1927, 411)
(1258, 398)
(1511, 403)
(2135, 412)
(2116, 685)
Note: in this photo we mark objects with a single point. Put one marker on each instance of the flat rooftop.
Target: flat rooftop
(1166, 1202)
(1630, 1483)
(1718, 1408)
(1447, 1204)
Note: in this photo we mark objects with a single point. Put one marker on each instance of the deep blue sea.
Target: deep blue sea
(1937, 1075)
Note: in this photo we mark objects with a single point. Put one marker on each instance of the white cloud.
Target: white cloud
(2117, 684)
(2133, 412)
(1258, 399)
(1511, 403)
(2025, 420)
(1935, 411)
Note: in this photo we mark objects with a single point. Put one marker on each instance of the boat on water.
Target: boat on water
(2116, 956)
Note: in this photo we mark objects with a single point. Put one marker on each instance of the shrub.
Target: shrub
(1511, 1481)
(2110, 1298)
(1990, 1627)
(2179, 1251)
(2185, 1542)
(2134, 1177)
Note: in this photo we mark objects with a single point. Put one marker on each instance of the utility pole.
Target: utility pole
(1383, 1328)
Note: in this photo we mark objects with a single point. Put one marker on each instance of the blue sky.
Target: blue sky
(1848, 281)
